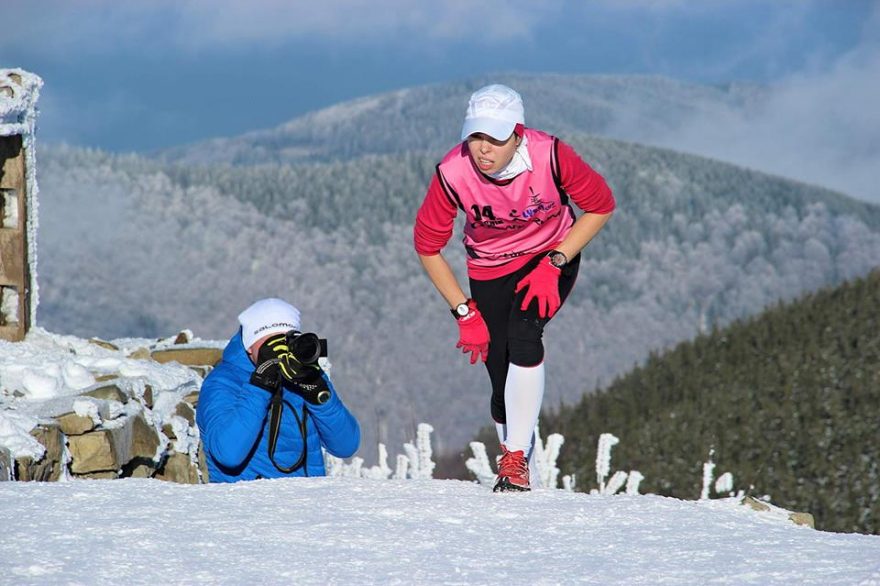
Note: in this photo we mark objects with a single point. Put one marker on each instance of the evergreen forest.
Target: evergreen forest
(788, 400)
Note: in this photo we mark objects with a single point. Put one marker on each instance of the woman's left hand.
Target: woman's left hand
(543, 284)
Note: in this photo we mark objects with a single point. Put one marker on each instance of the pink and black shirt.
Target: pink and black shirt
(509, 222)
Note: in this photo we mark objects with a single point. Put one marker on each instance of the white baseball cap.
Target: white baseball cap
(267, 316)
(494, 110)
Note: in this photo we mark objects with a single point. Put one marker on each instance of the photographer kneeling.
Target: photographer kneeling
(267, 408)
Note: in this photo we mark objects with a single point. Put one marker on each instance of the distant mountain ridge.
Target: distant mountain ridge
(427, 118)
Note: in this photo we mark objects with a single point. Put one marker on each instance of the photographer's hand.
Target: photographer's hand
(313, 387)
(277, 366)
(273, 364)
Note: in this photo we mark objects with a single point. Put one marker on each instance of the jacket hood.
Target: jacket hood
(236, 355)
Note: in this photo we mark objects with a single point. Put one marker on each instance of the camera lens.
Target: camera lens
(306, 348)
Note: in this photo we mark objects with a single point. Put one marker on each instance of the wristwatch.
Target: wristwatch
(557, 258)
(461, 310)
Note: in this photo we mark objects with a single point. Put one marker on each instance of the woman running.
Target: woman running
(523, 244)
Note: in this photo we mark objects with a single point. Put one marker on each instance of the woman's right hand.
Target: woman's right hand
(473, 335)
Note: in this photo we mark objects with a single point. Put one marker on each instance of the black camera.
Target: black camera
(306, 347)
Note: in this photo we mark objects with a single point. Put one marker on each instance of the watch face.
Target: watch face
(462, 309)
(557, 259)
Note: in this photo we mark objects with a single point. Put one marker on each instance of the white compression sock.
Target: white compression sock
(523, 393)
(501, 430)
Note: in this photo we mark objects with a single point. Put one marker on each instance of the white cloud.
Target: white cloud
(350, 19)
(70, 29)
(55, 26)
(821, 127)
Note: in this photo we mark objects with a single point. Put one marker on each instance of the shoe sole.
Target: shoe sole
(504, 485)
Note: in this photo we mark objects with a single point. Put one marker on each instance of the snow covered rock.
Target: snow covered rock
(179, 468)
(49, 467)
(74, 408)
(5, 465)
(805, 519)
(108, 450)
(188, 356)
(74, 424)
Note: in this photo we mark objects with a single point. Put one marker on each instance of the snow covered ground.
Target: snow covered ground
(360, 531)
(348, 530)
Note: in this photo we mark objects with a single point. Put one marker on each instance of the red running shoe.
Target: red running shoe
(513, 472)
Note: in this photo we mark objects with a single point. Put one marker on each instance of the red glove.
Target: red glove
(543, 284)
(473, 335)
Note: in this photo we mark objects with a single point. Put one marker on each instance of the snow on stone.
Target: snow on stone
(15, 435)
(18, 102)
(10, 213)
(42, 376)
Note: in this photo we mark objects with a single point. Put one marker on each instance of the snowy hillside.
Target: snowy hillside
(427, 117)
(779, 129)
(356, 531)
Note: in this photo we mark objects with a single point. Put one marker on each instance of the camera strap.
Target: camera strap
(276, 409)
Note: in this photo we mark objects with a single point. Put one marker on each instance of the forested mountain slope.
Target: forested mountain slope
(788, 401)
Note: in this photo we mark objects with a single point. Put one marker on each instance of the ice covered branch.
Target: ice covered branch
(603, 458)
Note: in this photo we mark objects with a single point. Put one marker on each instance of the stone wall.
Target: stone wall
(115, 429)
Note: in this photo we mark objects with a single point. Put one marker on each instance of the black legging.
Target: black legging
(515, 336)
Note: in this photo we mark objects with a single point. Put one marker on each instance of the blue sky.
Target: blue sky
(145, 75)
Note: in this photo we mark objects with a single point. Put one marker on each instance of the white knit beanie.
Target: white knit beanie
(267, 316)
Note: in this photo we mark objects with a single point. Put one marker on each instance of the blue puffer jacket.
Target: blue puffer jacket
(233, 420)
